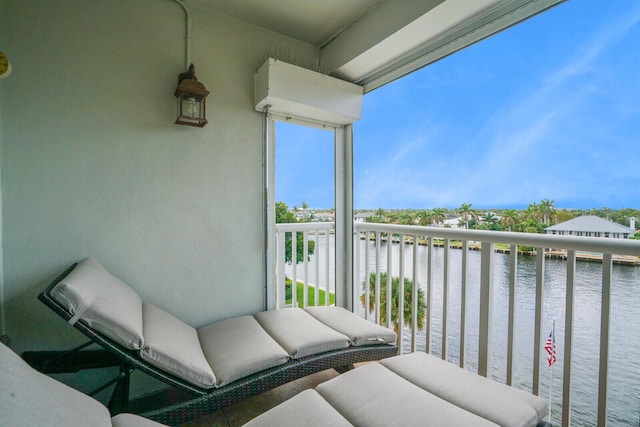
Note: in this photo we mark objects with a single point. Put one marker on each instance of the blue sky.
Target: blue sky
(548, 109)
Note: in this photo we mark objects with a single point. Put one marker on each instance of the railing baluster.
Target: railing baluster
(537, 335)
(377, 302)
(513, 279)
(305, 266)
(389, 274)
(327, 248)
(281, 293)
(429, 293)
(367, 279)
(414, 296)
(357, 280)
(463, 299)
(400, 319)
(568, 339)
(486, 304)
(316, 255)
(445, 297)
(605, 316)
(294, 264)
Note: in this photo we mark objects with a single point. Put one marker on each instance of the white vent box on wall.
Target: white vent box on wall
(294, 91)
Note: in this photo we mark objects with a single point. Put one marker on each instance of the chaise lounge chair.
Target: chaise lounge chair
(29, 398)
(210, 367)
(410, 390)
(416, 389)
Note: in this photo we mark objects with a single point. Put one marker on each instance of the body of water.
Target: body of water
(624, 352)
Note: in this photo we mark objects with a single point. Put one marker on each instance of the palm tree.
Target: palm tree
(510, 218)
(490, 218)
(462, 223)
(425, 218)
(533, 212)
(438, 215)
(405, 218)
(305, 206)
(547, 209)
(467, 213)
(605, 212)
(408, 300)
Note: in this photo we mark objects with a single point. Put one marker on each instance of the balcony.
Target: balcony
(491, 300)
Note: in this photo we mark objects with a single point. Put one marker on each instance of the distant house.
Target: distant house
(324, 217)
(362, 216)
(592, 226)
(453, 222)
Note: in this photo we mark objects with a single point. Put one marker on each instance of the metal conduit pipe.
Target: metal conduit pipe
(187, 39)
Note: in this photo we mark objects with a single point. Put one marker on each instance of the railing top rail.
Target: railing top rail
(305, 226)
(591, 244)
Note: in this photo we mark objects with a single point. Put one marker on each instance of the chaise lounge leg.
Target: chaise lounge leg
(120, 397)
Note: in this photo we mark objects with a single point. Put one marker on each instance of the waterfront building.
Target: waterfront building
(362, 216)
(592, 226)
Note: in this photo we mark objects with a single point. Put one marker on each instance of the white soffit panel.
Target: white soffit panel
(449, 27)
(438, 21)
(293, 91)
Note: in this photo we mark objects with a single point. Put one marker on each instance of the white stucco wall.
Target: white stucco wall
(92, 164)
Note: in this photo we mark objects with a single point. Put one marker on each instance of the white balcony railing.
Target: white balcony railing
(314, 266)
(447, 317)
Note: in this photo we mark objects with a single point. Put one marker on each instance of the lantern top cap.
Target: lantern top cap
(188, 84)
(189, 74)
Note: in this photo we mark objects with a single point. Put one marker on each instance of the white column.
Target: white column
(344, 216)
(269, 206)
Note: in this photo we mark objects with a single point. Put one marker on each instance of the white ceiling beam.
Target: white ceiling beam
(379, 23)
(449, 27)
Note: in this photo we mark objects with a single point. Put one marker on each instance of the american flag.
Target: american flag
(550, 346)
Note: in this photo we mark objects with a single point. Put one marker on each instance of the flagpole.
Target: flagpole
(553, 337)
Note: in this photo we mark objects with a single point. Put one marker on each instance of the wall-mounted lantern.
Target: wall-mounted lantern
(191, 96)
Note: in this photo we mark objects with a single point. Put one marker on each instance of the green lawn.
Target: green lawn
(311, 294)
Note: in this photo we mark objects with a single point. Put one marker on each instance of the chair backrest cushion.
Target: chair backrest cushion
(106, 303)
(29, 398)
(299, 333)
(173, 346)
(360, 331)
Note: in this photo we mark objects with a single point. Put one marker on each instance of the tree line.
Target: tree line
(534, 219)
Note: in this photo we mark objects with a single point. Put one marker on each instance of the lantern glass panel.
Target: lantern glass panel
(191, 107)
(191, 110)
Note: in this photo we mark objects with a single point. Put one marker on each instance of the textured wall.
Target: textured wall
(92, 164)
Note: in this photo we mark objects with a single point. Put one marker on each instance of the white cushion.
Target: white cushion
(489, 399)
(238, 347)
(173, 346)
(108, 305)
(29, 398)
(359, 330)
(371, 395)
(130, 420)
(299, 333)
(307, 409)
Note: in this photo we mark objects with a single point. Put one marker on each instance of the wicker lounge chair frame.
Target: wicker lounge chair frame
(185, 402)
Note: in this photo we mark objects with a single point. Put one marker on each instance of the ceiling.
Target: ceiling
(314, 22)
(373, 42)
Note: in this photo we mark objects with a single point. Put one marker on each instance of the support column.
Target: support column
(344, 216)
